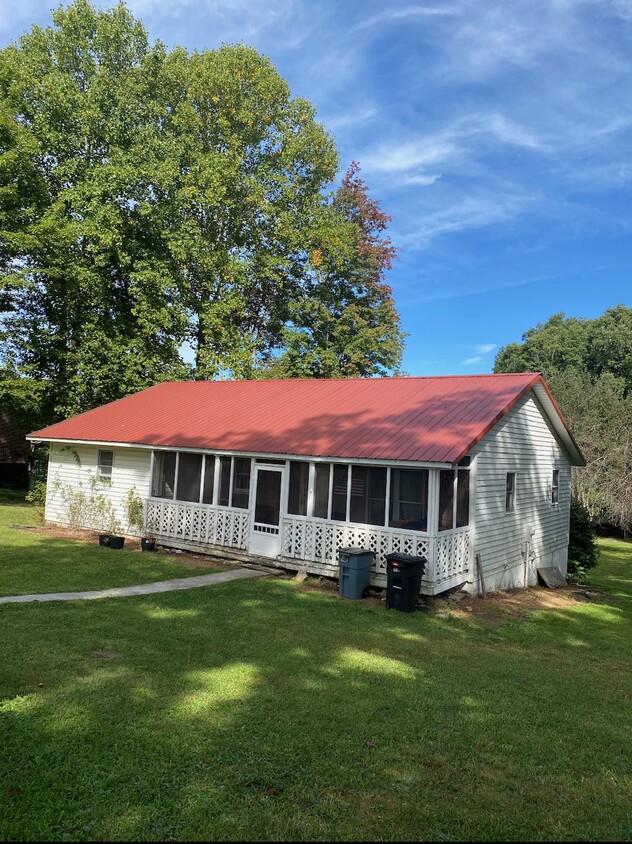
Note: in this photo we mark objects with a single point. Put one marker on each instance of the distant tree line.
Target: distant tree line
(588, 364)
(155, 200)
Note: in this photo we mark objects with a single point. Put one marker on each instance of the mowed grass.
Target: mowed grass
(32, 561)
(267, 710)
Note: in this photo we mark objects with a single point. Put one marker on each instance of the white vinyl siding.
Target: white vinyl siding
(76, 464)
(522, 443)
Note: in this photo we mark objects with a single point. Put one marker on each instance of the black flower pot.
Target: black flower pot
(117, 542)
(147, 544)
(104, 539)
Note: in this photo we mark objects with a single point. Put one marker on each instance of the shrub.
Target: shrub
(582, 546)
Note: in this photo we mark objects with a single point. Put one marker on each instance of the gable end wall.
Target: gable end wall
(522, 442)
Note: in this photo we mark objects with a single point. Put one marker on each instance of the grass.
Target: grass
(35, 562)
(267, 710)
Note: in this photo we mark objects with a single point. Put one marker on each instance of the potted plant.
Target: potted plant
(110, 525)
(135, 511)
(148, 541)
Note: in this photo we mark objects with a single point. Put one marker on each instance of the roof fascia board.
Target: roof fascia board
(363, 461)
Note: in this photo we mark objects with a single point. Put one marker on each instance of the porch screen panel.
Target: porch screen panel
(339, 495)
(408, 506)
(359, 494)
(297, 493)
(368, 495)
(189, 477)
(224, 480)
(321, 490)
(462, 499)
(241, 482)
(164, 478)
(446, 499)
(209, 477)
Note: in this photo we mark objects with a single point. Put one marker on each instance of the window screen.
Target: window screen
(189, 477)
(446, 499)
(209, 478)
(462, 499)
(224, 480)
(321, 490)
(241, 482)
(297, 493)
(163, 481)
(408, 506)
(339, 495)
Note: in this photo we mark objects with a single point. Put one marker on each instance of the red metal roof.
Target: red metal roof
(434, 419)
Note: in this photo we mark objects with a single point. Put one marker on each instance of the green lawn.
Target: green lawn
(267, 710)
(34, 562)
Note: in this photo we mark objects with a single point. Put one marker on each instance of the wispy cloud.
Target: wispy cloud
(481, 351)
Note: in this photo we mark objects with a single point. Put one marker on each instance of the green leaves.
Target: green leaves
(152, 200)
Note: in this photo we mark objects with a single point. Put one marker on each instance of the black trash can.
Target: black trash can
(403, 580)
(354, 575)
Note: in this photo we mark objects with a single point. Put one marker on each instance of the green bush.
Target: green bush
(582, 546)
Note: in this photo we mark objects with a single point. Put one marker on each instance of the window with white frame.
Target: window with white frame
(105, 462)
(185, 476)
(555, 487)
(510, 492)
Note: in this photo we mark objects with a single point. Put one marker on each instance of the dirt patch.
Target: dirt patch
(497, 608)
(500, 607)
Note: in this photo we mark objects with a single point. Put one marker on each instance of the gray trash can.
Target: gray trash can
(354, 571)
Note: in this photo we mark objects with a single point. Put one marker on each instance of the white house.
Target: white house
(290, 471)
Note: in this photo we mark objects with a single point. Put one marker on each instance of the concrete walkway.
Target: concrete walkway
(143, 589)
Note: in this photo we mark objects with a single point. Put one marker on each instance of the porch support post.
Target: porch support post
(311, 483)
(433, 523)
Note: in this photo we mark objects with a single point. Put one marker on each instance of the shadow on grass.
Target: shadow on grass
(259, 710)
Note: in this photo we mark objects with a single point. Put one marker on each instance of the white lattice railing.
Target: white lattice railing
(316, 540)
(199, 523)
(448, 554)
(451, 554)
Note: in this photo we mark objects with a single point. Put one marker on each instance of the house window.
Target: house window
(105, 462)
(321, 490)
(163, 481)
(189, 477)
(555, 487)
(297, 492)
(510, 492)
(408, 506)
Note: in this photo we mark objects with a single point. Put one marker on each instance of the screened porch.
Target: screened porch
(298, 513)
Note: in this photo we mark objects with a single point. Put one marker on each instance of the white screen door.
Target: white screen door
(265, 534)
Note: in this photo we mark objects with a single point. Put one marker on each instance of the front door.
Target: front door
(265, 533)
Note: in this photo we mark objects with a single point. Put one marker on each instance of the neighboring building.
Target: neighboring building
(14, 453)
(290, 471)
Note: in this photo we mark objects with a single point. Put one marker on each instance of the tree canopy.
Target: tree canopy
(152, 200)
(588, 364)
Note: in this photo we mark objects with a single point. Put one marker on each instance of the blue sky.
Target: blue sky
(496, 133)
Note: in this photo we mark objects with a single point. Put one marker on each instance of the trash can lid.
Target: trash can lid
(409, 559)
(355, 551)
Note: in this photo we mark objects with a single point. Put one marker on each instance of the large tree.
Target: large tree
(153, 198)
(345, 323)
(588, 364)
